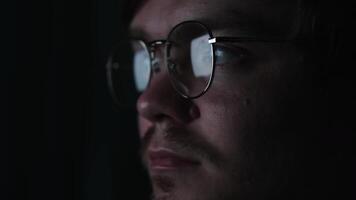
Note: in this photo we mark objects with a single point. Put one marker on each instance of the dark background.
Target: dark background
(64, 138)
(61, 135)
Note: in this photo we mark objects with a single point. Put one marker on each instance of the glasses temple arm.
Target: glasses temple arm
(247, 39)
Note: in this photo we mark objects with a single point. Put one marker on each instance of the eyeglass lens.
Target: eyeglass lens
(189, 58)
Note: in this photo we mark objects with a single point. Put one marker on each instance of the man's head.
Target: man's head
(250, 136)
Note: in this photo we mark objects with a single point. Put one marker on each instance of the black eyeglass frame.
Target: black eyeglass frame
(149, 47)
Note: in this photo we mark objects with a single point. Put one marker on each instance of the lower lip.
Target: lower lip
(171, 163)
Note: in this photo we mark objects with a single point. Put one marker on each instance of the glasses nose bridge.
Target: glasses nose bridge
(155, 58)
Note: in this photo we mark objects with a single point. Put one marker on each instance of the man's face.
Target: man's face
(235, 141)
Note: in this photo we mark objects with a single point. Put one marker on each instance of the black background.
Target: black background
(64, 138)
(61, 136)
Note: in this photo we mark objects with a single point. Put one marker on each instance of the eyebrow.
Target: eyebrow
(213, 25)
(233, 22)
(237, 19)
(243, 23)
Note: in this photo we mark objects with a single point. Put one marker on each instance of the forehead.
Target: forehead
(156, 18)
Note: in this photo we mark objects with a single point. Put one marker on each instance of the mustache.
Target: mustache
(181, 141)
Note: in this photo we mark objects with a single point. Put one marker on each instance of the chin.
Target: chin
(197, 184)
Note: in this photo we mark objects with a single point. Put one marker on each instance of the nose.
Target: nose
(160, 101)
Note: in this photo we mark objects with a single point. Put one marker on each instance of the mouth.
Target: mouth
(166, 160)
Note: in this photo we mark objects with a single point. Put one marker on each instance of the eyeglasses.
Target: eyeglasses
(190, 55)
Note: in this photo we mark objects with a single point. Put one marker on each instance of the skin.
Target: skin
(245, 132)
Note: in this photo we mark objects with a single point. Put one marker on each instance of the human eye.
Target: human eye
(228, 54)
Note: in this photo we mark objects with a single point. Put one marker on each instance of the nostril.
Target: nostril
(160, 117)
(161, 102)
(194, 112)
(155, 67)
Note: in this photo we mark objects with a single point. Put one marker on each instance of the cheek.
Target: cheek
(226, 119)
(143, 126)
